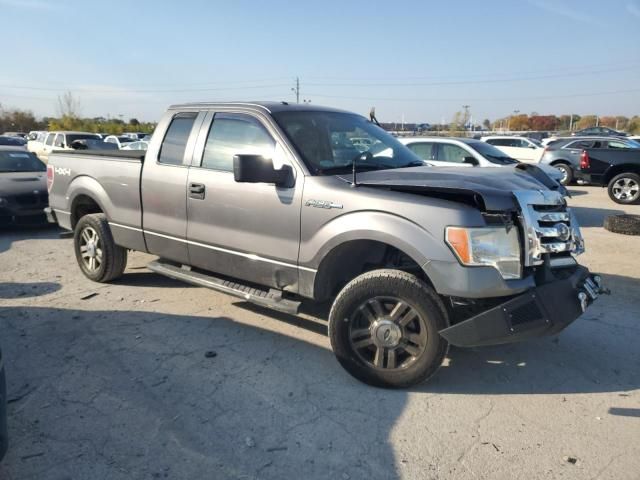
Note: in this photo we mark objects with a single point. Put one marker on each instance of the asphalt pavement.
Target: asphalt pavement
(150, 378)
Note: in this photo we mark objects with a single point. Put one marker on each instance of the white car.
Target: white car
(35, 141)
(139, 145)
(521, 148)
(120, 141)
(464, 152)
(63, 141)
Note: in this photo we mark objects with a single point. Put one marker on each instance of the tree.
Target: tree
(519, 122)
(486, 123)
(585, 122)
(68, 105)
(134, 122)
(543, 122)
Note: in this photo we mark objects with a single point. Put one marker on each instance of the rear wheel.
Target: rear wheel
(566, 171)
(384, 329)
(99, 258)
(625, 188)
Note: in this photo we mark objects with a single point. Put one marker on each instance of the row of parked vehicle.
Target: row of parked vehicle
(43, 143)
(612, 161)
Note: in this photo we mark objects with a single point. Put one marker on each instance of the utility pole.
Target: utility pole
(466, 115)
(571, 123)
(296, 89)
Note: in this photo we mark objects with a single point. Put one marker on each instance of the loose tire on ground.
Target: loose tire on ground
(566, 171)
(92, 239)
(625, 224)
(625, 188)
(384, 326)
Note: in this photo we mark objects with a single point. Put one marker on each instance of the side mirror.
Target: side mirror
(471, 161)
(257, 169)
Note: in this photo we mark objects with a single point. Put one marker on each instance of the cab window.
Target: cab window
(175, 141)
(235, 134)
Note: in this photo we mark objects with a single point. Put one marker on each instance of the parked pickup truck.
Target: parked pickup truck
(618, 169)
(273, 203)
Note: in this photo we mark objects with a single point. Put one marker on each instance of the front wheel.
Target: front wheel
(625, 188)
(566, 171)
(384, 326)
(99, 258)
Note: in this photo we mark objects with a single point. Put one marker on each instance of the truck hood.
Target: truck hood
(494, 187)
(15, 183)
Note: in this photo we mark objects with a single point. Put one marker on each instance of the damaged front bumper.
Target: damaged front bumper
(543, 310)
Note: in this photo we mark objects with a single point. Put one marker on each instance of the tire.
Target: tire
(408, 319)
(567, 173)
(625, 224)
(625, 188)
(92, 239)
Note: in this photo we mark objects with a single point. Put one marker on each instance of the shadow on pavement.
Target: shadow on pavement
(25, 290)
(577, 193)
(135, 395)
(625, 412)
(10, 234)
(593, 217)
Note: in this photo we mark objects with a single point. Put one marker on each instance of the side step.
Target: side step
(265, 298)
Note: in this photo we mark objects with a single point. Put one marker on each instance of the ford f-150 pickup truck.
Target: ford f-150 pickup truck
(274, 203)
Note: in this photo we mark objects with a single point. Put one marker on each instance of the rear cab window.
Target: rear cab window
(175, 140)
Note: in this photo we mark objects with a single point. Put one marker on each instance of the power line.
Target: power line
(473, 82)
(463, 99)
(121, 90)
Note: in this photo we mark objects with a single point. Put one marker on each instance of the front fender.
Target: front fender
(414, 240)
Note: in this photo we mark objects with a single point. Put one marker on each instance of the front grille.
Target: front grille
(549, 226)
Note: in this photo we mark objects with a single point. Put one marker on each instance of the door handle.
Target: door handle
(196, 190)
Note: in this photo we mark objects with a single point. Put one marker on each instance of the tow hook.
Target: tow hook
(591, 289)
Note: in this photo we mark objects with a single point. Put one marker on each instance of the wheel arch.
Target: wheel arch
(87, 196)
(618, 169)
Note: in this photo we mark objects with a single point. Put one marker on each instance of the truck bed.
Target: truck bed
(109, 178)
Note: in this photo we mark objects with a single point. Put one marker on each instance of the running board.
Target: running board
(265, 298)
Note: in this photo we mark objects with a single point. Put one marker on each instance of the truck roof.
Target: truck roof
(270, 107)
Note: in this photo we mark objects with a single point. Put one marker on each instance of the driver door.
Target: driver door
(249, 231)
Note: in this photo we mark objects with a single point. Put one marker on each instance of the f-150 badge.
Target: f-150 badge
(322, 204)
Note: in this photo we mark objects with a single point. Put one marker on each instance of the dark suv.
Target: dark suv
(564, 153)
(598, 132)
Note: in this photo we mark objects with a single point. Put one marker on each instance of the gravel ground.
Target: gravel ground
(150, 378)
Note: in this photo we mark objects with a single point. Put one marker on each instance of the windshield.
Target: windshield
(329, 142)
(491, 153)
(633, 143)
(20, 162)
(4, 140)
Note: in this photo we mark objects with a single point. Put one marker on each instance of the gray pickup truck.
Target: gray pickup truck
(275, 203)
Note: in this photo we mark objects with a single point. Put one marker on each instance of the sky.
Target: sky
(414, 60)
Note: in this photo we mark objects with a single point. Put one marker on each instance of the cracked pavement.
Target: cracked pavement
(118, 386)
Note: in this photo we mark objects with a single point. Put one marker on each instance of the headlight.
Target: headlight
(494, 247)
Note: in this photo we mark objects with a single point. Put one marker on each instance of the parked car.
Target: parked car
(35, 141)
(522, 149)
(463, 152)
(62, 141)
(23, 187)
(6, 140)
(4, 438)
(139, 145)
(564, 154)
(616, 168)
(120, 141)
(414, 258)
(134, 135)
(599, 132)
(92, 144)
(539, 136)
(15, 134)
